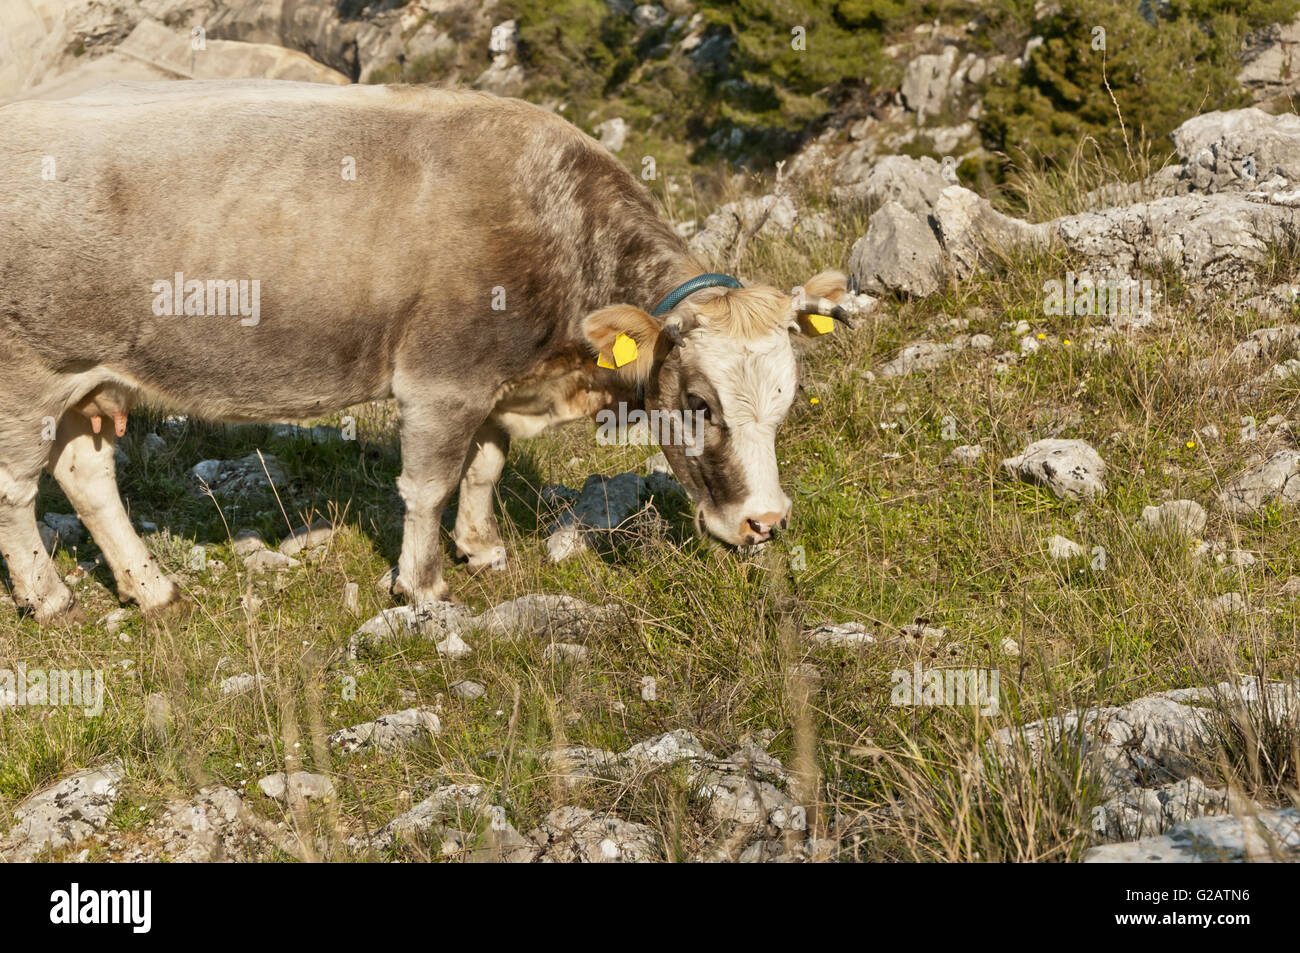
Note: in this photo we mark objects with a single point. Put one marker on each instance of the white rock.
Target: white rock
(1058, 547)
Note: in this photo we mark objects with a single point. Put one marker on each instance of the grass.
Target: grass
(885, 533)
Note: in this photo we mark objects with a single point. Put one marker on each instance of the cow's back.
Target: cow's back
(236, 181)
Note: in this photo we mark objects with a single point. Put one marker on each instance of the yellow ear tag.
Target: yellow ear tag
(623, 351)
(821, 323)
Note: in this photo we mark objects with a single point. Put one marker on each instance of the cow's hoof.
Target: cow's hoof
(438, 592)
(175, 607)
(163, 598)
(494, 558)
(60, 608)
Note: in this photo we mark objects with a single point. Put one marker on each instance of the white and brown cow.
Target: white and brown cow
(477, 259)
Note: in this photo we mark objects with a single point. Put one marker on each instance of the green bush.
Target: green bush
(1154, 73)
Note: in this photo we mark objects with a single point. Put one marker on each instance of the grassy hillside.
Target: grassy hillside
(885, 533)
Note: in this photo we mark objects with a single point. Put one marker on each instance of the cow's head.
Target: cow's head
(720, 368)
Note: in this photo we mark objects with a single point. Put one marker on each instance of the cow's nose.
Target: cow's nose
(759, 529)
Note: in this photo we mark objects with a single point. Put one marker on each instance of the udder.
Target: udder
(105, 401)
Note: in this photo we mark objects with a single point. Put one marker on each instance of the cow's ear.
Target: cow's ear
(624, 338)
(818, 304)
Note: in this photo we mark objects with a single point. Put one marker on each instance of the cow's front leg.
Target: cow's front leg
(35, 578)
(83, 463)
(478, 538)
(434, 447)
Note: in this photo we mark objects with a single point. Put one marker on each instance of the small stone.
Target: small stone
(318, 534)
(467, 690)
(309, 787)
(454, 647)
(66, 526)
(566, 652)
(268, 560)
(1177, 517)
(848, 633)
(1060, 548)
(1010, 647)
(965, 456)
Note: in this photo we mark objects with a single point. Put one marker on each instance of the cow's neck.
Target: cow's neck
(650, 278)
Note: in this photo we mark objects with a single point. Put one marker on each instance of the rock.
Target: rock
(242, 684)
(467, 690)
(1177, 517)
(1263, 836)
(579, 835)
(1220, 238)
(668, 748)
(849, 633)
(49, 538)
(1230, 603)
(563, 543)
(299, 784)
(535, 616)
(1141, 812)
(1060, 548)
(815, 850)
(1069, 468)
(899, 254)
(966, 455)
(1010, 646)
(1274, 480)
(430, 620)
(318, 534)
(771, 214)
(1238, 150)
(114, 621)
(1144, 755)
(426, 816)
(649, 16)
(157, 714)
(567, 653)
(969, 227)
(612, 134)
(744, 802)
(213, 826)
(247, 542)
(928, 355)
(454, 647)
(268, 560)
(67, 526)
(247, 475)
(928, 82)
(388, 732)
(915, 184)
(604, 504)
(64, 814)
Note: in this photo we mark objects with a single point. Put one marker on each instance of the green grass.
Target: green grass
(888, 535)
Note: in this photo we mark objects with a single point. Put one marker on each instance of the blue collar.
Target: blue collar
(711, 280)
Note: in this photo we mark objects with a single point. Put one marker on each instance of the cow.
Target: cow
(254, 251)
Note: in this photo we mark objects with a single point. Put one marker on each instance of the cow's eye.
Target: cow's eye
(697, 404)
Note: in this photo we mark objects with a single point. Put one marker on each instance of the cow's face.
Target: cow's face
(720, 376)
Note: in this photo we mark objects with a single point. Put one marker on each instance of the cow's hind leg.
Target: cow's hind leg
(35, 578)
(83, 464)
(477, 536)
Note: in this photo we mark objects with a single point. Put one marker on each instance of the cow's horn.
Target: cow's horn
(810, 305)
